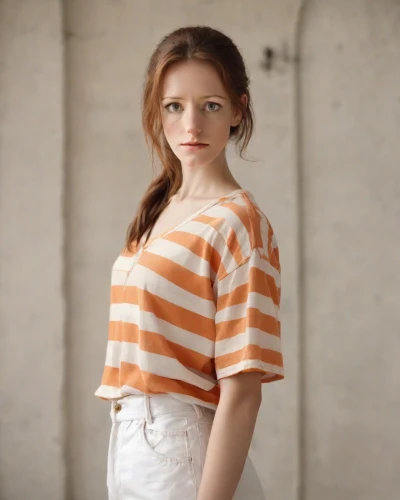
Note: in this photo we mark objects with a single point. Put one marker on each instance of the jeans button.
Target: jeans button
(117, 407)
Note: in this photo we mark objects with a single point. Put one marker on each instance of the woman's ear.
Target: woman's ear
(238, 115)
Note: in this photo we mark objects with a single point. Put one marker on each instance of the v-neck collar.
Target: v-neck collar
(142, 245)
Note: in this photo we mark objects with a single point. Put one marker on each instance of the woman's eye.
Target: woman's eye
(172, 104)
(173, 110)
(214, 104)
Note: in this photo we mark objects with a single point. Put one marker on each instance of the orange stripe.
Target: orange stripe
(150, 383)
(177, 316)
(120, 294)
(270, 234)
(165, 310)
(187, 239)
(210, 253)
(178, 275)
(157, 344)
(110, 376)
(234, 244)
(249, 352)
(274, 259)
(254, 319)
(254, 217)
(259, 282)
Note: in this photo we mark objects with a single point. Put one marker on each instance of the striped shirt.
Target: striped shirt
(195, 304)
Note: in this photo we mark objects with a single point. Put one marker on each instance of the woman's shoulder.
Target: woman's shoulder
(243, 220)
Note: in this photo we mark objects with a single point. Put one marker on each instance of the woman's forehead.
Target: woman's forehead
(192, 78)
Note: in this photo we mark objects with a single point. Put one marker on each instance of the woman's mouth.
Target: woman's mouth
(194, 147)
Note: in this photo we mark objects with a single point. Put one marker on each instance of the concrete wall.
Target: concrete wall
(350, 190)
(32, 299)
(326, 151)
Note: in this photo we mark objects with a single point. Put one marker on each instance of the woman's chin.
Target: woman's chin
(194, 161)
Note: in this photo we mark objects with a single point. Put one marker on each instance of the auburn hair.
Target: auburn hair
(200, 43)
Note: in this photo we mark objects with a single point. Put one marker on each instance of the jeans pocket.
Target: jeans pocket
(166, 439)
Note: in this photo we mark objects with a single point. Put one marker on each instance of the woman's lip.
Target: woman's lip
(196, 144)
(194, 147)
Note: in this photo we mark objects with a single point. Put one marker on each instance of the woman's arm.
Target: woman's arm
(231, 435)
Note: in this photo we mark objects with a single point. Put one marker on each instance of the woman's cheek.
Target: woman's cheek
(170, 127)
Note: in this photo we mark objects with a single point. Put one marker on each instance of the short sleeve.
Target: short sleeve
(247, 320)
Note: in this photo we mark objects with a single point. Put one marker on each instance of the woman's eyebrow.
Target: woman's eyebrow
(204, 97)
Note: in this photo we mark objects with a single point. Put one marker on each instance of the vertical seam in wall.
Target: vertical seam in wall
(67, 493)
(301, 288)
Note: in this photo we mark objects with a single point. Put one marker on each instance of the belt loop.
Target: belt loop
(198, 409)
(147, 412)
(112, 414)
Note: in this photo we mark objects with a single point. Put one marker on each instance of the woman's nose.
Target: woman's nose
(192, 122)
(194, 131)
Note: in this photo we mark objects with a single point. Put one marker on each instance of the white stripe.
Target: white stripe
(236, 225)
(113, 353)
(129, 313)
(215, 238)
(123, 263)
(122, 266)
(239, 200)
(108, 392)
(124, 312)
(147, 279)
(181, 256)
(269, 269)
(252, 336)
(198, 227)
(157, 364)
(250, 363)
(241, 275)
(118, 277)
(255, 300)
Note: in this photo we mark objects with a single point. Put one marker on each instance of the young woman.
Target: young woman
(195, 293)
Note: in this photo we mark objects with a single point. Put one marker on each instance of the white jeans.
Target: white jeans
(157, 450)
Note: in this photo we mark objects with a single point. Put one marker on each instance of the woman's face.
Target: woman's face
(196, 108)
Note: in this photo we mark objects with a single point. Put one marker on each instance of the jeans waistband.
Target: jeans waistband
(144, 406)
